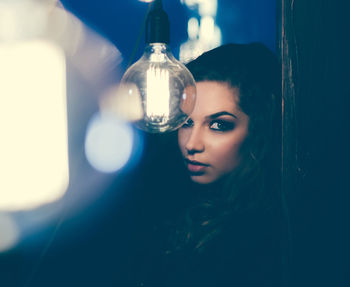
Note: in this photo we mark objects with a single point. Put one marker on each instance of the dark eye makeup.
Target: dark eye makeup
(188, 124)
(215, 125)
(221, 125)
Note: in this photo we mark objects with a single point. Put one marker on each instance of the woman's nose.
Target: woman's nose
(195, 142)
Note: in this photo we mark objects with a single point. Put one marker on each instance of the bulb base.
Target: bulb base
(157, 25)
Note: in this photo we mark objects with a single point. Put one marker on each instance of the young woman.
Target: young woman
(230, 230)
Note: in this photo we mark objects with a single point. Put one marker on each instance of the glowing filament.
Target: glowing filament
(158, 94)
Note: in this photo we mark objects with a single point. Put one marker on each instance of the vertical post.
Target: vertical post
(288, 59)
(315, 60)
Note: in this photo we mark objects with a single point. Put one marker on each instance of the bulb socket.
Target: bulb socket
(157, 25)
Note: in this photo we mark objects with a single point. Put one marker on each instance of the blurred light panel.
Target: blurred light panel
(40, 44)
(21, 19)
(108, 143)
(33, 125)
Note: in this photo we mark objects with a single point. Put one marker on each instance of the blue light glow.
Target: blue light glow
(108, 143)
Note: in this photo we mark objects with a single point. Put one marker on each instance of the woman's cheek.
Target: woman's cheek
(226, 154)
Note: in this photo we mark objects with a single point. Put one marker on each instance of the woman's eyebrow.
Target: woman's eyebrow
(216, 115)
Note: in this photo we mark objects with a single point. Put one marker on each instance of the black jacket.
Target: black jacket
(249, 252)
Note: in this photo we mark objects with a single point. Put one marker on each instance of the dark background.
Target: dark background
(121, 21)
(315, 57)
(91, 247)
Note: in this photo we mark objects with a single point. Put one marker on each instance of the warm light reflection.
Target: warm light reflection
(158, 94)
(108, 143)
(33, 124)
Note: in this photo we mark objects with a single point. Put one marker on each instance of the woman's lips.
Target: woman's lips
(196, 167)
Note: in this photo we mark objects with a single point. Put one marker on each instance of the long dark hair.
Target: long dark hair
(255, 184)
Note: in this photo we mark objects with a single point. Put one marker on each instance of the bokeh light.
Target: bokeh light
(192, 28)
(33, 124)
(203, 33)
(53, 69)
(109, 142)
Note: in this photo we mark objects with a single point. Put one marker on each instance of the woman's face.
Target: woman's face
(211, 138)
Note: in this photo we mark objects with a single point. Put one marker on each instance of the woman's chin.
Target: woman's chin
(202, 179)
(208, 181)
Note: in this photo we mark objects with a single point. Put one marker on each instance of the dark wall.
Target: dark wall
(315, 57)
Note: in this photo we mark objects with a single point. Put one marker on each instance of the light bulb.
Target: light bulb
(160, 89)
(165, 89)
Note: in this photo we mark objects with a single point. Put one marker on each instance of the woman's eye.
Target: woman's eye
(187, 124)
(220, 125)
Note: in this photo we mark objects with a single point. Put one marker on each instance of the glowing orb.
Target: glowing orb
(108, 143)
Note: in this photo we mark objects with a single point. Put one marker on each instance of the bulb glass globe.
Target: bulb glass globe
(161, 89)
